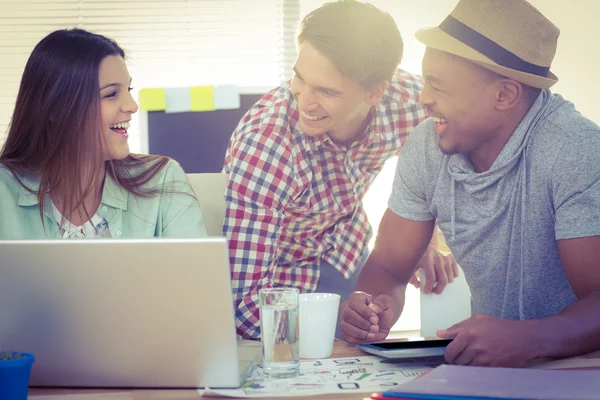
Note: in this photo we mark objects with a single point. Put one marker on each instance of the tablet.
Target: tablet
(407, 349)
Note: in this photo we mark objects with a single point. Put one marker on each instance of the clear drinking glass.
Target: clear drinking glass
(279, 332)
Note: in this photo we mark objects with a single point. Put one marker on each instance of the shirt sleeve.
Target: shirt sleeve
(261, 182)
(576, 188)
(408, 198)
(181, 213)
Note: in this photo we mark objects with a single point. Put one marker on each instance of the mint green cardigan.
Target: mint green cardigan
(172, 213)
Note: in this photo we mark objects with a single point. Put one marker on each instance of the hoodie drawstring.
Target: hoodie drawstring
(452, 207)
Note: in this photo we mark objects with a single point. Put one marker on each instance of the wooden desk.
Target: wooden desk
(340, 349)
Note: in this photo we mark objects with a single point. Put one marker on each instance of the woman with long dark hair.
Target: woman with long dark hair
(66, 170)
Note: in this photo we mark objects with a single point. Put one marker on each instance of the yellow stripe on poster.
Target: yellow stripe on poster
(202, 98)
(153, 99)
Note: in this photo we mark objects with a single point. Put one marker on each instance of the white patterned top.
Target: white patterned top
(96, 227)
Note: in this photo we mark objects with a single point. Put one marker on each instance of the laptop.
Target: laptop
(120, 313)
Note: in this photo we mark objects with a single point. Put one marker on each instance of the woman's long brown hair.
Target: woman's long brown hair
(55, 131)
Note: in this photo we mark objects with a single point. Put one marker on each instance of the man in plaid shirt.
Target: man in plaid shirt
(303, 157)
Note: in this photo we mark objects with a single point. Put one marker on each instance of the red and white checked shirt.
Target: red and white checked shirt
(293, 199)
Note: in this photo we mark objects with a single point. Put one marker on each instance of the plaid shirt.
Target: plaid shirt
(293, 199)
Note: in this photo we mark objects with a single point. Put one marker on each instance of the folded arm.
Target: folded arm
(377, 303)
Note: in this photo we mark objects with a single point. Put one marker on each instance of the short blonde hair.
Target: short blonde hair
(362, 41)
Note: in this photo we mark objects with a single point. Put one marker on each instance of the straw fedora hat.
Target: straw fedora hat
(509, 37)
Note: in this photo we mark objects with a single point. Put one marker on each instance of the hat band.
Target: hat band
(489, 48)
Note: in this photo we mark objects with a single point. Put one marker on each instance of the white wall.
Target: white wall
(578, 54)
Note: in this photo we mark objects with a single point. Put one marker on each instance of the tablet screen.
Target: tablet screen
(413, 344)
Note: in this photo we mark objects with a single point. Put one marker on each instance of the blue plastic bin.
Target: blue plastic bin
(14, 376)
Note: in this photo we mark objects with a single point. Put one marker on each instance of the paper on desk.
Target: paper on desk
(352, 375)
(441, 311)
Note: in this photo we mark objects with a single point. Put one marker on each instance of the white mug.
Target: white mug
(318, 313)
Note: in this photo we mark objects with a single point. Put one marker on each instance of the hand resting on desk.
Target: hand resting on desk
(365, 318)
(368, 318)
(489, 341)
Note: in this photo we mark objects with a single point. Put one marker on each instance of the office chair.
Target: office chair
(210, 190)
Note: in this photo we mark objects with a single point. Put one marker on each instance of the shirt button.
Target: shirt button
(104, 208)
(118, 233)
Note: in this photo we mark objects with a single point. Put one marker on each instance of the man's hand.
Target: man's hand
(488, 341)
(366, 319)
(440, 269)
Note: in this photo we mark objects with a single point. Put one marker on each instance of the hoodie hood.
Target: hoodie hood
(505, 183)
(497, 178)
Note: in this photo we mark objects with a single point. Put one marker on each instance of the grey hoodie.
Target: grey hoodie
(502, 224)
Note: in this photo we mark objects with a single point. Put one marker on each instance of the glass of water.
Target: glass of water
(279, 332)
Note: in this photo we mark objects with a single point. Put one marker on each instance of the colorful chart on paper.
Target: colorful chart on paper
(338, 375)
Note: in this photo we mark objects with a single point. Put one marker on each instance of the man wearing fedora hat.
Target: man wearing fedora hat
(511, 174)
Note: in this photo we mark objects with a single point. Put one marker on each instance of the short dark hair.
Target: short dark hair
(362, 41)
(530, 93)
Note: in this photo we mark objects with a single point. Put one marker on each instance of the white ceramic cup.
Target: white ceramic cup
(318, 313)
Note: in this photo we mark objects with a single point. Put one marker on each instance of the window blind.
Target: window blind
(168, 43)
(22, 25)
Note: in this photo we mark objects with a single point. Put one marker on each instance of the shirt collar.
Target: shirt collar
(376, 126)
(27, 198)
(312, 143)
